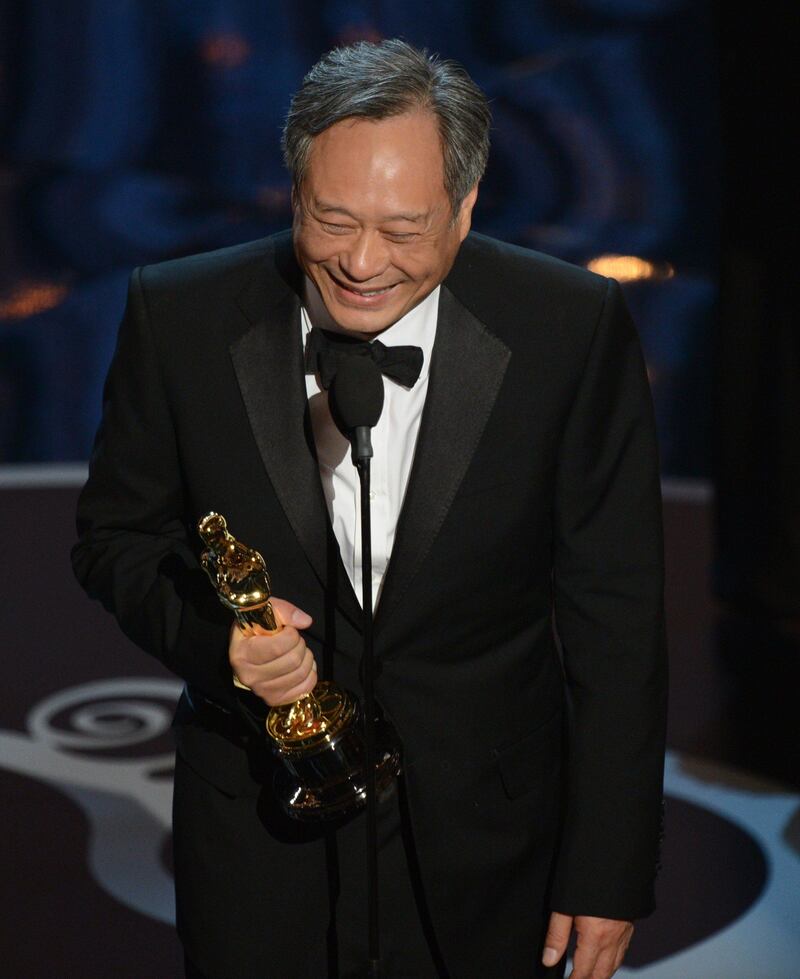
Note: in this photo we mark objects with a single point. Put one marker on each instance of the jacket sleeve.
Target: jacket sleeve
(608, 594)
(133, 551)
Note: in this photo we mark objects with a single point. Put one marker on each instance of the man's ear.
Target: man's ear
(464, 219)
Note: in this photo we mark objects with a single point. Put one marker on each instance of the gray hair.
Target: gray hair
(375, 81)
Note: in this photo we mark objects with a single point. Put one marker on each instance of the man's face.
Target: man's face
(373, 227)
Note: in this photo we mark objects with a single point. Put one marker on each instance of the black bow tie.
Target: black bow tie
(324, 348)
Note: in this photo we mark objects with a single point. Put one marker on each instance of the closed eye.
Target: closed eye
(400, 236)
(336, 229)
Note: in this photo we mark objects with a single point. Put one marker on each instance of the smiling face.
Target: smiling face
(373, 227)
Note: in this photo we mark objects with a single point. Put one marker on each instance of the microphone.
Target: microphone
(356, 402)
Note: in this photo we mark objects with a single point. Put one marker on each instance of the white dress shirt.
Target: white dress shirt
(394, 439)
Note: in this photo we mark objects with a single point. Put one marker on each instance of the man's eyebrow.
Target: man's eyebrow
(413, 218)
(325, 208)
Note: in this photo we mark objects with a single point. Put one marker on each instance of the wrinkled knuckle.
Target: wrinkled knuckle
(263, 689)
(304, 684)
(282, 646)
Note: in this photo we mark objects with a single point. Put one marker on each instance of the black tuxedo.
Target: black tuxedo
(534, 493)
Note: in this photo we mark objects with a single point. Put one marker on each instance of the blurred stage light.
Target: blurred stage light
(225, 50)
(629, 268)
(30, 297)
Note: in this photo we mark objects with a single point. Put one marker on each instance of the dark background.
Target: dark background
(138, 130)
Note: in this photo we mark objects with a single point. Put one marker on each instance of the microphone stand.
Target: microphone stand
(368, 670)
(356, 403)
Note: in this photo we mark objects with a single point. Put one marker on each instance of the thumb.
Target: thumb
(288, 614)
(555, 942)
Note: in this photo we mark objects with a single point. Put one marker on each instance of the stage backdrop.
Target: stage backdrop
(86, 763)
(137, 130)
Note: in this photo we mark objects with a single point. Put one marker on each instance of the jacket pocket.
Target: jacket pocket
(214, 746)
(533, 760)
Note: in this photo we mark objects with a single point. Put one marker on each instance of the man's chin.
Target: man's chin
(363, 321)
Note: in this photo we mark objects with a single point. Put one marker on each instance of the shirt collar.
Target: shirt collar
(417, 327)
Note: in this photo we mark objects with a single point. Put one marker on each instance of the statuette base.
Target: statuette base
(331, 782)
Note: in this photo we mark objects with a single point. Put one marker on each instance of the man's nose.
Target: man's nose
(365, 257)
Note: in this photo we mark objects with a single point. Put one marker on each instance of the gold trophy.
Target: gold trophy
(318, 738)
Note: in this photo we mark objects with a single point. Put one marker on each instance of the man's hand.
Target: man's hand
(602, 943)
(277, 667)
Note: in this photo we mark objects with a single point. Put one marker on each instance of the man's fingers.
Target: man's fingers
(593, 963)
(621, 949)
(269, 656)
(584, 960)
(283, 688)
(600, 948)
(277, 667)
(288, 614)
(288, 687)
(555, 942)
(259, 650)
(288, 696)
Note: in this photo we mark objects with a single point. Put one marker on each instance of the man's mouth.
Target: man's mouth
(369, 292)
(363, 293)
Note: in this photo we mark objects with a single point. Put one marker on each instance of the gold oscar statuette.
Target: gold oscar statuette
(319, 737)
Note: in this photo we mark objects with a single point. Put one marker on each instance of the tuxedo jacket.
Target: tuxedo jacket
(519, 635)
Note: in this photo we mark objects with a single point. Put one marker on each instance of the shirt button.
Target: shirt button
(372, 494)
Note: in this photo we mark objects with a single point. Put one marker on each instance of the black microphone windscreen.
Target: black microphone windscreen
(356, 394)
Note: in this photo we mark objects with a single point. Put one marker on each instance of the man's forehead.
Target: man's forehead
(416, 131)
(390, 169)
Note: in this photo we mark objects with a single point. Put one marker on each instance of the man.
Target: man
(515, 481)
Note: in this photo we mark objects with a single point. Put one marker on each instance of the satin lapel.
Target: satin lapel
(467, 369)
(268, 362)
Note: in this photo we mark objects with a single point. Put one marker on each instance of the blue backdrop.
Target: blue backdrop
(136, 130)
